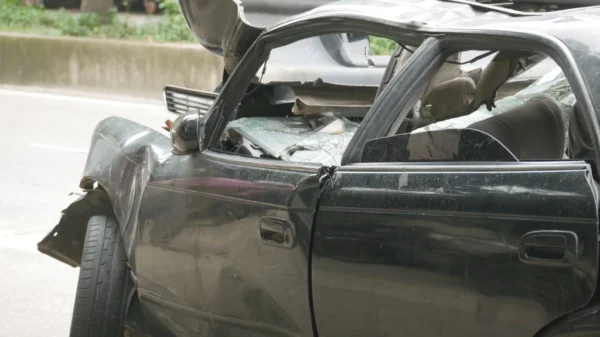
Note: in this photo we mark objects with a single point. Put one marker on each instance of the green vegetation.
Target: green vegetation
(380, 46)
(170, 27)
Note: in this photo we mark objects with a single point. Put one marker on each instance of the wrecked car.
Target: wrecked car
(450, 188)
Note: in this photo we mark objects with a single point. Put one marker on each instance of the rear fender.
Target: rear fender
(583, 322)
(120, 161)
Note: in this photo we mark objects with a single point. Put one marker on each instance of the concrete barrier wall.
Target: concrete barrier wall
(135, 69)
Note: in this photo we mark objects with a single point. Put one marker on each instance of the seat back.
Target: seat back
(534, 130)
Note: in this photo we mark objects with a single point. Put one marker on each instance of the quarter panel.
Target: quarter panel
(582, 323)
(423, 253)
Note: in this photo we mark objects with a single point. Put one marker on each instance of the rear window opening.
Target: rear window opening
(512, 106)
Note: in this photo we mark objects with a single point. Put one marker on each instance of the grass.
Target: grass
(171, 26)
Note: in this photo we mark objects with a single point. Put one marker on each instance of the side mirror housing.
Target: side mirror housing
(184, 133)
(187, 131)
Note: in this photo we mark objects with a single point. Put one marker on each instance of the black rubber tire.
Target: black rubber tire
(102, 287)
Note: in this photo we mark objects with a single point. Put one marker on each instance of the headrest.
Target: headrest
(492, 78)
(449, 70)
(450, 99)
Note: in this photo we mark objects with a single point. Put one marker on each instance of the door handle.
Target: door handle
(549, 247)
(277, 231)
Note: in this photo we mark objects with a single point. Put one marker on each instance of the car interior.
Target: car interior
(532, 123)
(513, 104)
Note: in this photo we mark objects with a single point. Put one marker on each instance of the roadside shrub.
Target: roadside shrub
(381, 46)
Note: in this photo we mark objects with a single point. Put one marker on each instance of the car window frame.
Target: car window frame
(459, 40)
(225, 106)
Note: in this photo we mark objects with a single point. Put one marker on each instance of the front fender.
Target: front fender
(121, 159)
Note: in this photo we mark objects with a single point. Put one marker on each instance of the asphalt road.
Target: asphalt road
(44, 140)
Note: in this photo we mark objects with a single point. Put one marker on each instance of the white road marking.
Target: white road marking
(58, 148)
(78, 99)
(21, 244)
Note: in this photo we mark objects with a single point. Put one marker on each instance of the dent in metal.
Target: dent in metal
(440, 246)
(121, 159)
(228, 27)
(201, 261)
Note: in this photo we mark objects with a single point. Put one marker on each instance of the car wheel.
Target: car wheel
(101, 290)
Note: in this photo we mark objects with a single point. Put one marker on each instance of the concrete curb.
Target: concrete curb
(124, 68)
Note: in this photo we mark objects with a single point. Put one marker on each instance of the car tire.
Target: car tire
(101, 296)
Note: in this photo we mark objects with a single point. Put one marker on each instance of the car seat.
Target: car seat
(534, 130)
(449, 99)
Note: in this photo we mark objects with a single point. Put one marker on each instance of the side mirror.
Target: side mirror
(188, 129)
(184, 133)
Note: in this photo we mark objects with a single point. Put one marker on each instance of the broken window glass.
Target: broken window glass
(311, 139)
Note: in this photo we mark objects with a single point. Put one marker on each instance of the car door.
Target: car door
(422, 250)
(452, 248)
(223, 246)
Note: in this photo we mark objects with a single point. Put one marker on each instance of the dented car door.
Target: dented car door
(223, 246)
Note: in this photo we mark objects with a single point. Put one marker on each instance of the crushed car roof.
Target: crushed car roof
(229, 27)
(440, 15)
(576, 28)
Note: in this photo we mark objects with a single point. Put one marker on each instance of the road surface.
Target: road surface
(44, 139)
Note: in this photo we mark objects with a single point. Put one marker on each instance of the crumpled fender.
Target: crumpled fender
(121, 159)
